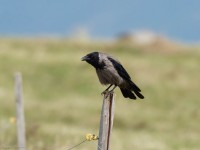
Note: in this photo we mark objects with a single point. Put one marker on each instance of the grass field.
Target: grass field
(62, 96)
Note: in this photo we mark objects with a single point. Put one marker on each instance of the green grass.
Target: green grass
(62, 96)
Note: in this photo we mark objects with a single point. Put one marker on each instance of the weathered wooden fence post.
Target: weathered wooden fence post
(106, 122)
(20, 112)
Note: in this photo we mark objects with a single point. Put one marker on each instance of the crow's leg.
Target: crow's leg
(108, 87)
(106, 90)
(111, 91)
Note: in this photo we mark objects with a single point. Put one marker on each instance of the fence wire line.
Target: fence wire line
(10, 147)
(77, 145)
(15, 146)
(82, 143)
(88, 137)
(98, 146)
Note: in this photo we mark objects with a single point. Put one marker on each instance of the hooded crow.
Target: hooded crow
(110, 71)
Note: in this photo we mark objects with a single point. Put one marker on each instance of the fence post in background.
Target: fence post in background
(106, 122)
(20, 112)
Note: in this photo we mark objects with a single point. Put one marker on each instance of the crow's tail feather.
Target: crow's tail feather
(127, 93)
(134, 86)
(136, 90)
(138, 94)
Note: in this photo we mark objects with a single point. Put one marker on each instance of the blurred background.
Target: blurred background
(157, 41)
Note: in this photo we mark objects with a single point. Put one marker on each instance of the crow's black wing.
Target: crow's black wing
(120, 69)
(122, 72)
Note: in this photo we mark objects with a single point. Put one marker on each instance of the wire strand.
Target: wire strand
(77, 145)
(88, 137)
(10, 147)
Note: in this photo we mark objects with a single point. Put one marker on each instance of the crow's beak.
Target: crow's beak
(84, 58)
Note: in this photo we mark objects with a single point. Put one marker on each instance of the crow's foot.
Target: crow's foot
(106, 93)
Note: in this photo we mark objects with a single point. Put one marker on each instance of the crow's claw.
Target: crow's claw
(104, 92)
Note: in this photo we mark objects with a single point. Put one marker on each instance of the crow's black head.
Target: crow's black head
(93, 59)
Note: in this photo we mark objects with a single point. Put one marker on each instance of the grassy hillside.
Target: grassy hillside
(63, 102)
